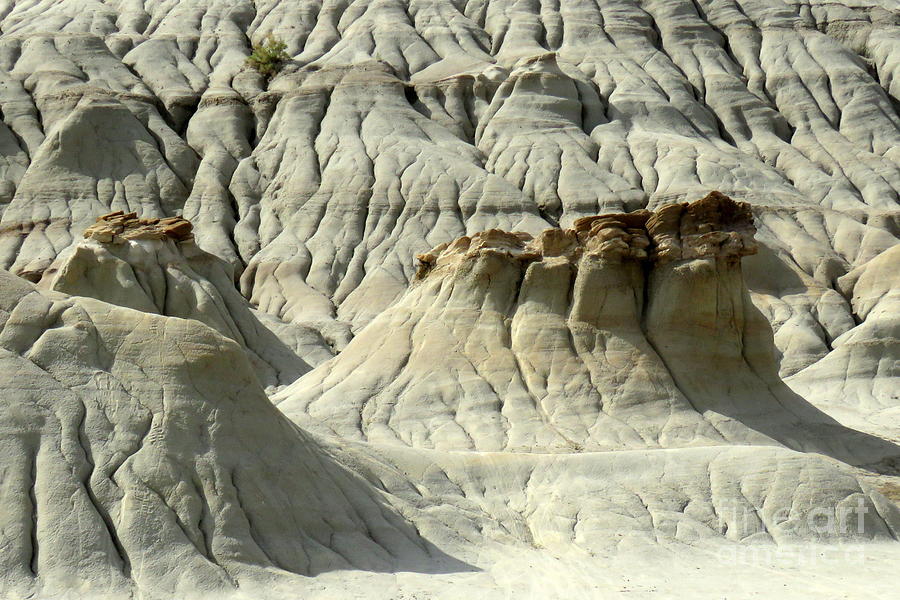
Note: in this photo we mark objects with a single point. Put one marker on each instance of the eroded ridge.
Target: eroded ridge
(317, 186)
(139, 452)
(118, 226)
(626, 331)
(155, 266)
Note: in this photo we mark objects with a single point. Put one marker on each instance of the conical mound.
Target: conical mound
(154, 266)
(141, 450)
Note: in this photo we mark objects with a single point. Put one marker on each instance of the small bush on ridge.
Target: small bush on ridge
(268, 56)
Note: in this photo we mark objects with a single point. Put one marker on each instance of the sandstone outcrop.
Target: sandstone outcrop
(154, 266)
(116, 227)
(627, 331)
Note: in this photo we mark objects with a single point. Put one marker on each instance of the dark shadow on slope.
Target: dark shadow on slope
(734, 373)
(808, 429)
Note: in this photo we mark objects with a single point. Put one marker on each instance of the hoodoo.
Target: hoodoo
(383, 299)
(626, 331)
(155, 266)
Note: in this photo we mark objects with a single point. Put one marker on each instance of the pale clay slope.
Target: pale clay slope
(138, 265)
(141, 451)
(400, 126)
(627, 331)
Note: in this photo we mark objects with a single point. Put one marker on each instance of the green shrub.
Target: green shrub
(268, 56)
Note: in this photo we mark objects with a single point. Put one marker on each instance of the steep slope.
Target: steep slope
(140, 450)
(858, 380)
(572, 405)
(154, 266)
(628, 331)
(398, 126)
(142, 458)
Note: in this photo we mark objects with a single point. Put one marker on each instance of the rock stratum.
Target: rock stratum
(154, 266)
(629, 330)
(479, 298)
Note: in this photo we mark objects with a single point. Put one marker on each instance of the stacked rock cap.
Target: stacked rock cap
(492, 241)
(713, 226)
(118, 226)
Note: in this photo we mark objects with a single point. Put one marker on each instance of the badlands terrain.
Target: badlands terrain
(532, 299)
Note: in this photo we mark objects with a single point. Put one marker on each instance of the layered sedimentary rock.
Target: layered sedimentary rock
(398, 126)
(143, 458)
(118, 227)
(626, 331)
(140, 450)
(154, 266)
(859, 378)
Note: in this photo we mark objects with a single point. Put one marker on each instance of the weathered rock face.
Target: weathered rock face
(858, 379)
(141, 450)
(399, 126)
(116, 227)
(627, 331)
(154, 266)
(279, 220)
(141, 456)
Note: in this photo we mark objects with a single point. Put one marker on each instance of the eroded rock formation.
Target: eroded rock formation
(154, 266)
(628, 330)
(116, 227)
(398, 126)
(406, 125)
(143, 458)
(141, 450)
